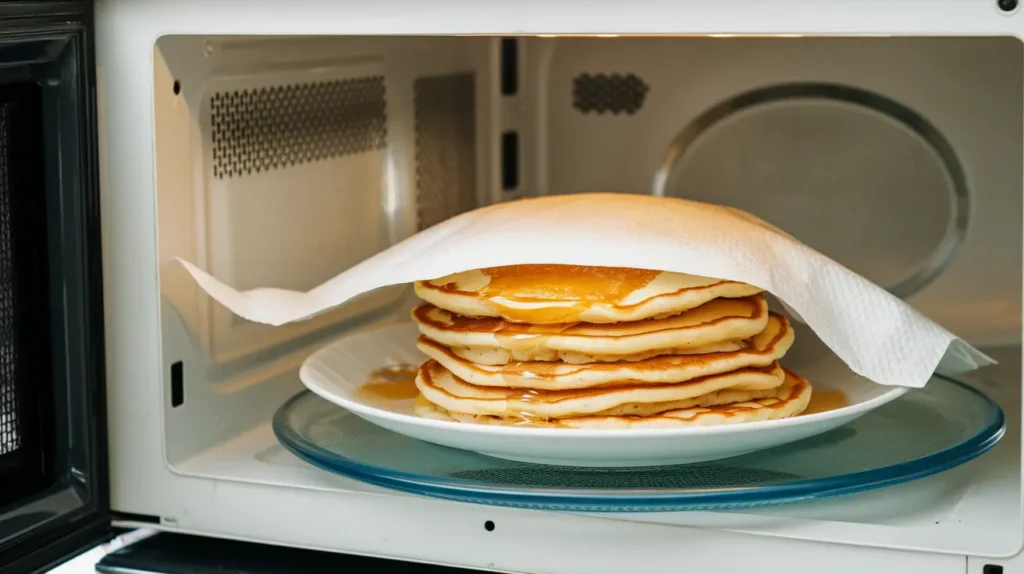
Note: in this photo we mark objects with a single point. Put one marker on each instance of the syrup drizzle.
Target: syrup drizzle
(393, 383)
(824, 400)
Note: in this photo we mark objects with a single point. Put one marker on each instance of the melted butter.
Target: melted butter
(547, 294)
(519, 342)
(532, 283)
(826, 400)
(394, 383)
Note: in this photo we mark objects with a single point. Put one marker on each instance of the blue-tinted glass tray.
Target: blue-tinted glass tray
(924, 432)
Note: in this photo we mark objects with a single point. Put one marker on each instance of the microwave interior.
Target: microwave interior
(282, 161)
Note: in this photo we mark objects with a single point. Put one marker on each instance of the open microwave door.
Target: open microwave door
(54, 498)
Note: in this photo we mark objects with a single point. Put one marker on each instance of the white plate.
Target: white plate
(338, 370)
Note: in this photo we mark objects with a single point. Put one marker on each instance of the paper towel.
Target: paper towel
(876, 334)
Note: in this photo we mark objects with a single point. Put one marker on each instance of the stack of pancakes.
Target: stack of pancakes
(601, 347)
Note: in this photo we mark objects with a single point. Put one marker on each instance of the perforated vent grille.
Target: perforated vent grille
(10, 433)
(445, 109)
(609, 93)
(269, 128)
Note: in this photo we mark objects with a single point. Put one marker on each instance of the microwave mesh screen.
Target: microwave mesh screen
(27, 385)
(25, 369)
(609, 93)
(263, 129)
(445, 116)
(10, 416)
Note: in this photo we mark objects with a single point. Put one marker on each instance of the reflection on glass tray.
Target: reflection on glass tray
(924, 432)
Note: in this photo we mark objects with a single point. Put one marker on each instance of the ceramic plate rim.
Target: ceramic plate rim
(362, 409)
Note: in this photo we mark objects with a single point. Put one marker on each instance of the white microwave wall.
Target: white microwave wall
(282, 160)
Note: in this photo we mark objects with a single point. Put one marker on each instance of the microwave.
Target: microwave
(278, 144)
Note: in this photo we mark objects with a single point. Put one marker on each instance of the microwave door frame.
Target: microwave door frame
(52, 44)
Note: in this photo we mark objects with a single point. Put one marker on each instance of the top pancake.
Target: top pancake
(545, 294)
(716, 326)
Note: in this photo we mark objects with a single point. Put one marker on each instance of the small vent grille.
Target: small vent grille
(609, 93)
(264, 129)
(445, 109)
(10, 434)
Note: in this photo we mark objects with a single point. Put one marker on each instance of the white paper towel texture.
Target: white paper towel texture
(876, 334)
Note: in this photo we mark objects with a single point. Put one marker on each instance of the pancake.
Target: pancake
(788, 400)
(725, 396)
(495, 356)
(716, 326)
(446, 390)
(545, 294)
(765, 348)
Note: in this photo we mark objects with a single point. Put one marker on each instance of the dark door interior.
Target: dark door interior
(26, 425)
(53, 482)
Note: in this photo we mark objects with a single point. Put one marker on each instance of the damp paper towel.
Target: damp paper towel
(876, 334)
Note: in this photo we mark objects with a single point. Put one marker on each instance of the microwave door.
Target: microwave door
(53, 462)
